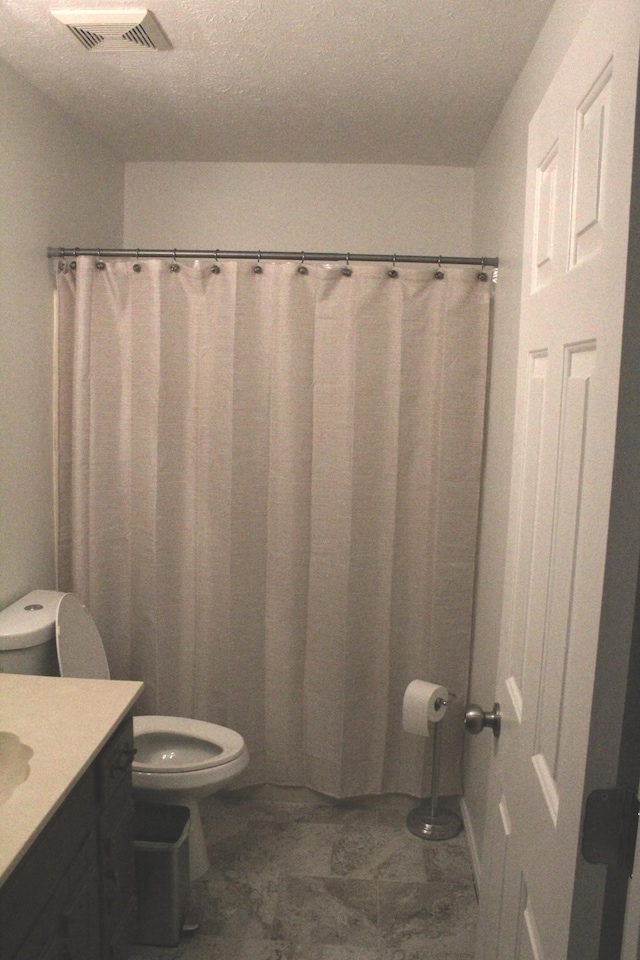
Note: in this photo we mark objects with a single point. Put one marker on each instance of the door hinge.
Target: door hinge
(610, 828)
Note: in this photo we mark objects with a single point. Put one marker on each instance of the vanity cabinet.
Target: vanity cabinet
(72, 896)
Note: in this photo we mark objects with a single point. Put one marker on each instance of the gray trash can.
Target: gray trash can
(160, 837)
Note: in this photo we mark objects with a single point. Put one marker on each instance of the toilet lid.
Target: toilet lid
(80, 650)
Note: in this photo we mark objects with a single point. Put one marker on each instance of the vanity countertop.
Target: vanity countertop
(65, 722)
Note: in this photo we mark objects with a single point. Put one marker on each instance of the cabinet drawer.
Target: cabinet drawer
(114, 763)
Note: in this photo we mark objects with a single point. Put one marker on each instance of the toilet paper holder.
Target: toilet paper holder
(441, 702)
(429, 820)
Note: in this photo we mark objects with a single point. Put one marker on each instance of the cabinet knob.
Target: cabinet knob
(124, 759)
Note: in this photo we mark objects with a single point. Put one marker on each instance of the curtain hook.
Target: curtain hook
(175, 266)
(100, 264)
(216, 267)
(258, 268)
(347, 271)
(137, 267)
(393, 273)
(483, 276)
(439, 275)
(302, 269)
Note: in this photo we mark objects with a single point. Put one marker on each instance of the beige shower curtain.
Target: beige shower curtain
(268, 499)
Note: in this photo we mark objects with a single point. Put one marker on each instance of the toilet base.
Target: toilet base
(198, 857)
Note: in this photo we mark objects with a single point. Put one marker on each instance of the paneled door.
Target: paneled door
(580, 152)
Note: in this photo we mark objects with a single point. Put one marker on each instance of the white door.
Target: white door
(578, 191)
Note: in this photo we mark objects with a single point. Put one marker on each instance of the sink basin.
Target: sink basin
(14, 764)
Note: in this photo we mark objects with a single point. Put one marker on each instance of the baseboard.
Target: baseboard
(471, 840)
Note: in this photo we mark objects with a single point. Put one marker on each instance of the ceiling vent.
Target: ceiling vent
(112, 31)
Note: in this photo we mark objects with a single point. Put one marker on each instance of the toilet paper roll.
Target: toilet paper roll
(421, 704)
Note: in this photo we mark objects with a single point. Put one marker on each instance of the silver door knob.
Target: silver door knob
(476, 719)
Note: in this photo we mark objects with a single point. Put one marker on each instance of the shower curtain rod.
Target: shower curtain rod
(262, 255)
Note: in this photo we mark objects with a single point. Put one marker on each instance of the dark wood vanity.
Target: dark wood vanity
(67, 882)
(72, 895)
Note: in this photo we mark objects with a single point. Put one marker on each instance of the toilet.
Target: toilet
(177, 760)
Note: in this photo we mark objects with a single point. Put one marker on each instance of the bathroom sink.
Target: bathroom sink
(14, 764)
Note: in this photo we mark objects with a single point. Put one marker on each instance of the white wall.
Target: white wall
(499, 226)
(299, 206)
(59, 186)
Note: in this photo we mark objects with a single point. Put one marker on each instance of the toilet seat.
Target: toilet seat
(180, 745)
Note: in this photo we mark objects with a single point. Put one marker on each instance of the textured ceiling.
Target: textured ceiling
(362, 81)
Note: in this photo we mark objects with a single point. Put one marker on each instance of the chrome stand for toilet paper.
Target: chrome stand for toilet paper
(427, 820)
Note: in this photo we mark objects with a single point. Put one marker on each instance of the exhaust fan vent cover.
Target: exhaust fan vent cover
(111, 31)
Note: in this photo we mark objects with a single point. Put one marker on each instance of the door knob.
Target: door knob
(476, 719)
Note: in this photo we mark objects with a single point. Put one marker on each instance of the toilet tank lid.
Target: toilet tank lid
(29, 621)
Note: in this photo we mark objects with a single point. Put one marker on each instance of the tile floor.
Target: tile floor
(296, 876)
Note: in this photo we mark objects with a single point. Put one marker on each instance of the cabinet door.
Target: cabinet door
(69, 926)
(81, 922)
(117, 870)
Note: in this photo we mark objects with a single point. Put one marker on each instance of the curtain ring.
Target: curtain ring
(216, 267)
(137, 267)
(175, 266)
(483, 275)
(100, 264)
(302, 269)
(439, 274)
(393, 273)
(258, 268)
(347, 271)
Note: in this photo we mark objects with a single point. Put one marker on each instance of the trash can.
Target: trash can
(160, 839)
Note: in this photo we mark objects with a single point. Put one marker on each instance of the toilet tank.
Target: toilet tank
(28, 634)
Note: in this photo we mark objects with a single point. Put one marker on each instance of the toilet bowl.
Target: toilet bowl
(181, 761)
(177, 760)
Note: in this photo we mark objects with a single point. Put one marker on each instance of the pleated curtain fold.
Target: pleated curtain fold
(268, 499)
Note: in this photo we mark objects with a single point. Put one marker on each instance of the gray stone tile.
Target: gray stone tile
(412, 914)
(241, 906)
(327, 911)
(295, 849)
(448, 860)
(218, 948)
(385, 853)
(311, 878)
(348, 952)
(343, 812)
(220, 812)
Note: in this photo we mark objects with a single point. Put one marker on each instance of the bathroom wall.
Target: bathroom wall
(287, 206)
(499, 226)
(59, 185)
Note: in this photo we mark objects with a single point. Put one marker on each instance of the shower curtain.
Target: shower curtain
(268, 488)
